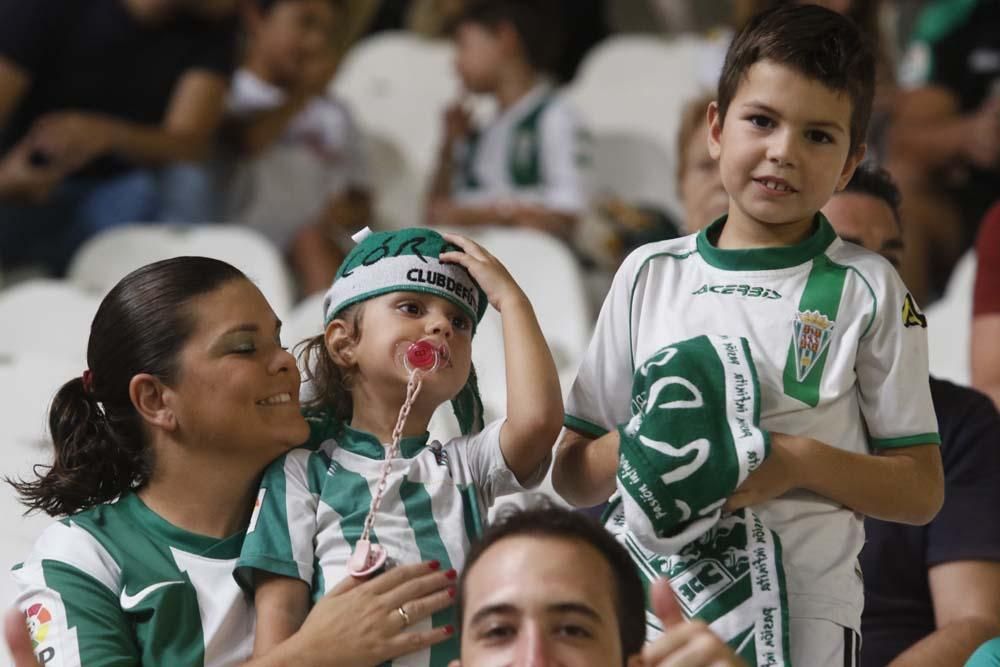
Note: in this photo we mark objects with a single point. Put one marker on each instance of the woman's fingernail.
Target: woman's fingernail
(451, 574)
(449, 630)
(434, 564)
(451, 591)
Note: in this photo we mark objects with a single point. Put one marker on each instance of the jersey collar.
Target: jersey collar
(201, 545)
(367, 445)
(764, 259)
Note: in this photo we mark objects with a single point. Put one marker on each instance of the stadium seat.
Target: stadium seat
(397, 85)
(398, 188)
(107, 258)
(628, 165)
(46, 317)
(949, 322)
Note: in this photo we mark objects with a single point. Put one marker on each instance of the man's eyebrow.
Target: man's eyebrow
(575, 608)
(491, 610)
(814, 123)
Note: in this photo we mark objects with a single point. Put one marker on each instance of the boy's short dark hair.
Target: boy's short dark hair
(556, 523)
(816, 42)
(876, 182)
(536, 22)
(265, 6)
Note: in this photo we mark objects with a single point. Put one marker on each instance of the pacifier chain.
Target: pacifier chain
(368, 559)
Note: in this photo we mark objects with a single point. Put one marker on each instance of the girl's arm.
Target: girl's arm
(282, 604)
(903, 484)
(585, 468)
(534, 399)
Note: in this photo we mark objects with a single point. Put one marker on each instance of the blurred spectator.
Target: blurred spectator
(932, 593)
(699, 183)
(986, 308)
(93, 96)
(299, 175)
(521, 169)
(945, 140)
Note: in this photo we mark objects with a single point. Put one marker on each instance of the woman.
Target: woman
(158, 450)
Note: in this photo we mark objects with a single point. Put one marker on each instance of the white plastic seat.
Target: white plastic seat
(398, 85)
(949, 323)
(107, 258)
(46, 317)
(398, 188)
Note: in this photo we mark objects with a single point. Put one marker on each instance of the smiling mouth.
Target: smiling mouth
(277, 399)
(775, 184)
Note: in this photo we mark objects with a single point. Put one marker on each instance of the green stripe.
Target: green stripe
(420, 515)
(470, 513)
(583, 426)
(786, 646)
(347, 494)
(822, 293)
(906, 441)
(103, 632)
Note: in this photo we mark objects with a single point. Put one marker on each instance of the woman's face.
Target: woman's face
(237, 390)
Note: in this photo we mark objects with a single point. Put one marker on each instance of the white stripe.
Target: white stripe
(76, 547)
(740, 398)
(300, 511)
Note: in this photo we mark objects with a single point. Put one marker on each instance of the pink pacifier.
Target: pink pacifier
(421, 356)
(418, 359)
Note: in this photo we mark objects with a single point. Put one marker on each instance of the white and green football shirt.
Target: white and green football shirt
(119, 585)
(841, 355)
(313, 502)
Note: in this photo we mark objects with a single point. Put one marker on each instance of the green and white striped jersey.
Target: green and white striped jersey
(119, 585)
(313, 501)
(841, 355)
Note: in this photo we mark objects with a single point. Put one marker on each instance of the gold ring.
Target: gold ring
(404, 615)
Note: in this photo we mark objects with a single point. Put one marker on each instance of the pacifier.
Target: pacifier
(421, 356)
(367, 559)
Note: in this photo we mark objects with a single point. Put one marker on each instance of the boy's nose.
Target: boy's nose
(780, 149)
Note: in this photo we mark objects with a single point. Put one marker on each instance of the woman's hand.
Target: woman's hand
(486, 270)
(358, 624)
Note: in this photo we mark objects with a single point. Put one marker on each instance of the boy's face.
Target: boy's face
(784, 148)
(479, 55)
(293, 33)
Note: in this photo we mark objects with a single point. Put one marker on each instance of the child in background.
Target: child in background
(840, 346)
(393, 289)
(698, 182)
(522, 168)
(300, 176)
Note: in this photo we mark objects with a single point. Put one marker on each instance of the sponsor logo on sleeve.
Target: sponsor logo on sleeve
(912, 317)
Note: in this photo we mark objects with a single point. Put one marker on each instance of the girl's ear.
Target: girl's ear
(340, 343)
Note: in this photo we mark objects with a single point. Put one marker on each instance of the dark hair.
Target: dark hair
(265, 6)
(816, 42)
(140, 327)
(864, 13)
(536, 22)
(331, 384)
(874, 181)
(558, 523)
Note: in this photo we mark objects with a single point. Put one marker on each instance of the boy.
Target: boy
(305, 184)
(521, 169)
(839, 345)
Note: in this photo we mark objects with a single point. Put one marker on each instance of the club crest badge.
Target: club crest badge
(811, 336)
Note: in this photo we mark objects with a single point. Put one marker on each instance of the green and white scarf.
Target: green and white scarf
(692, 440)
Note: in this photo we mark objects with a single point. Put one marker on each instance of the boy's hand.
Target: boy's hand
(779, 473)
(492, 276)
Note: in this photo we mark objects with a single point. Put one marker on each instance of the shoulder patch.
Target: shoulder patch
(912, 317)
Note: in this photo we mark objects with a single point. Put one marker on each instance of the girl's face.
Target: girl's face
(237, 389)
(400, 317)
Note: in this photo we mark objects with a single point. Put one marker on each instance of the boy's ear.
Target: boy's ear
(153, 400)
(714, 130)
(340, 342)
(850, 165)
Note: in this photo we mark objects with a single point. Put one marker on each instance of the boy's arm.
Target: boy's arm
(903, 484)
(585, 468)
(534, 400)
(281, 604)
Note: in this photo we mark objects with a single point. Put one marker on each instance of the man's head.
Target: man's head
(291, 36)
(492, 35)
(867, 213)
(549, 586)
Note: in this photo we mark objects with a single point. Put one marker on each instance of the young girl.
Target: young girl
(395, 289)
